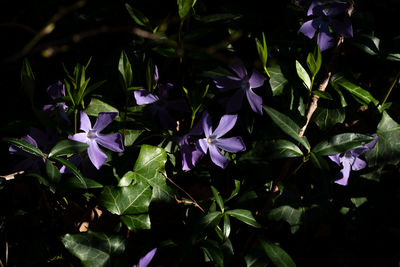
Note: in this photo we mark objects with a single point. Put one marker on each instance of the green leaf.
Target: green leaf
(24, 145)
(52, 172)
(74, 183)
(27, 79)
(227, 226)
(67, 147)
(213, 251)
(262, 50)
(126, 200)
(125, 69)
(319, 162)
(218, 198)
(312, 65)
(184, 6)
(361, 95)
(387, 149)
(136, 222)
(131, 136)
(211, 220)
(127, 179)
(94, 249)
(149, 167)
(277, 80)
(137, 16)
(245, 216)
(287, 125)
(368, 43)
(321, 94)
(277, 255)
(283, 149)
(289, 214)
(341, 143)
(235, 191)
(96, 106)
(326, 118)
(73, 169)
(302, 73)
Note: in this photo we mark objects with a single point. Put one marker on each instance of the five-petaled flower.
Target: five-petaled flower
(328, 17)
(350, 161)
(214, 142)
(143, 262)
(56, 91)
(245, 85)
(93, 137)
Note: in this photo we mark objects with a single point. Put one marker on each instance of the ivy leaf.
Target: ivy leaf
(94, 249)
(277, 255)
(387, 149)
(148, 169)
(341, 143)
(277, 80)
(136, 222)
(289, 214)
(326, 118)
(245, 216)
(131, 136)
(67, 147)
(287, 125)
(96, 106)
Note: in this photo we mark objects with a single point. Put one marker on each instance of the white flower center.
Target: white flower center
(91, 134)
(209, 140)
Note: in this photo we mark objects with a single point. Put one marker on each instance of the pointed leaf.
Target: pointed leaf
(218, 198)
(67, 147)
(131, 136)
(52, 172)
(184, 6)
(73, 169)
(283, 149)
(24, 145)
(96, 106)
(137, 16)
(227, 226)
(245, 216)
(302, 73)
(136, 222)
(326, 118)
(287, 125)
(125, 69)
(289, 214)
(341, 143)
(277, 255)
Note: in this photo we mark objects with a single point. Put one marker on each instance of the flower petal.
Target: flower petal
(190, 156)
(372, 144)
(225, 83)
(308, 28)
(232, 144)
(335, 158)
(147, 259)
(337, 8)
(235, 102)
(225, 125)
(112, 142)
(86, 125)
(207, 124)
(358, 164)
(143, 97)
(104, 119)
(344, 174)
(217, 157)
(238, 67)
(56, 90)
(342, 27)
(325, 40)
(315, 9)
(202, 145)
(80, 137)
(96, 156)
(256, 79)
(255, 101)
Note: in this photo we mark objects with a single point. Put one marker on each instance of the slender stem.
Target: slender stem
(391, 87)
(75, 120)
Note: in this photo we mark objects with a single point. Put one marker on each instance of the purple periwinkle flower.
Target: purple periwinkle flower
(143, 262)
(214, 142)
(350, 161)
(328, 17)
(160, 104)
(93, 137)
(57, 90)
(244, 83)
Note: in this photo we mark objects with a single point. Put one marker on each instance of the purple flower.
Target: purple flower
(143, 262)
(57, 90)
(244, 83)
(350, 161)
(93, 137)
(159, 105)
(328, 17)
(214, 142)
(187, 143)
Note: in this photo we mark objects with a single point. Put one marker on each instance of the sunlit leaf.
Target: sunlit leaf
(302, 73)
(277, 255)
(341, 143)
(67, 147)
(277, 80)
(245, 216)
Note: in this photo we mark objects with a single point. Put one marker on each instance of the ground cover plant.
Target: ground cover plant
(200, 133)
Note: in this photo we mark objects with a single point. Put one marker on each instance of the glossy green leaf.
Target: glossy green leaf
(326, 118)
(277, 255)
(287, 125)
(125, 69)
(67, 147)
(75, 183)
(127, 179)
(360, 94)
(341, 143)
(52, 172)
(227, 226)
(321, 94)
(283, 149)
(94, 249)
(136, 222)
(211, 220)
(137, 16)
(289, 214)
(149, 167)
(235, 191)
(96, 105)
(387, 149)
(368, 43)
(131, 136)
(126, 200)
(277, 80)
(303, 75)
(245, 216)
(213, 251)
(262, 50)
(218, 198)
(184, 7)
(73, 169)
(24, 145)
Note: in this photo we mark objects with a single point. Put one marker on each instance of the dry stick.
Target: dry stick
(194, 202)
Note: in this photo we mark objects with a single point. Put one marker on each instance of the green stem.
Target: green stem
(266, 71)
(75, 120)
(390, 89)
